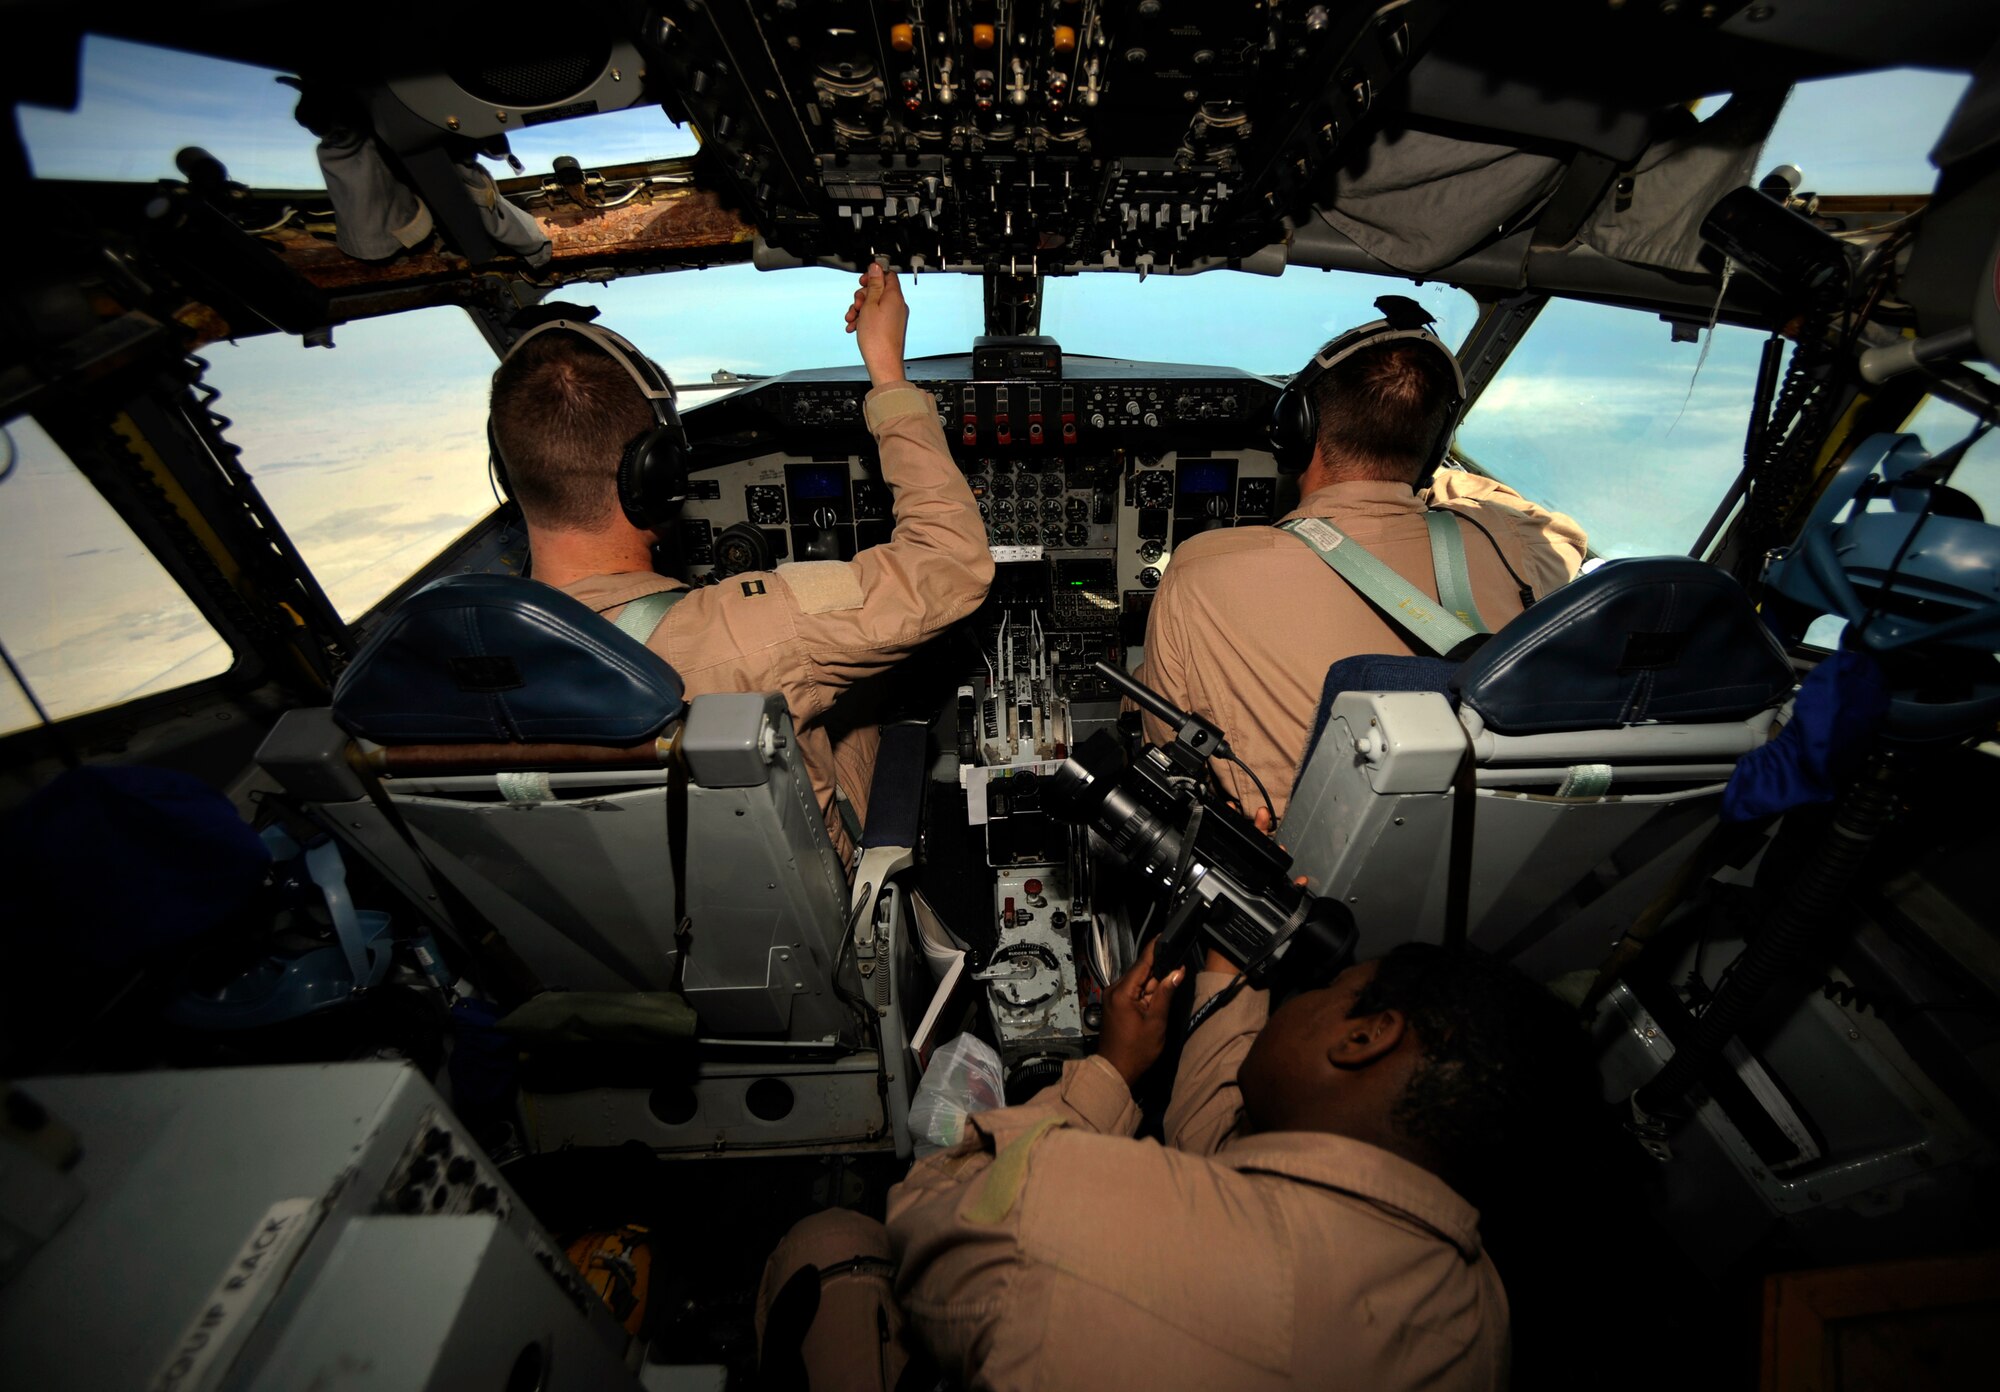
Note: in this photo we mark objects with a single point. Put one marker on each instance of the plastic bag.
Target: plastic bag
(964, 1077)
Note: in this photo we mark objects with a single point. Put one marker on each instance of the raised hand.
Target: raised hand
(878, 319)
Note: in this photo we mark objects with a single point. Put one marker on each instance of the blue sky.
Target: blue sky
(372, 453)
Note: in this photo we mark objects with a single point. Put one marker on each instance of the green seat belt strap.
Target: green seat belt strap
(1422, 617)
(1448, 561)
(850, 820)
(644, 614)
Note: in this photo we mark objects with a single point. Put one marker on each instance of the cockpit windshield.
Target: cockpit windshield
(372, 454)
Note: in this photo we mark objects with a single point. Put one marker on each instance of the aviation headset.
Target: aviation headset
(1295, 421)
(653, 470)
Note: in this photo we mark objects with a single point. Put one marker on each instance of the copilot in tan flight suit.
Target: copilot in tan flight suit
(1248, 619)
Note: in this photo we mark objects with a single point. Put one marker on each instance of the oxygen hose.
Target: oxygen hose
(1820, 894)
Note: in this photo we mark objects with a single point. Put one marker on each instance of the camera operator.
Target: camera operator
(1311, 1220)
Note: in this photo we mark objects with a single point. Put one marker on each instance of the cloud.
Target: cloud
(376, 523)
(1625, 406)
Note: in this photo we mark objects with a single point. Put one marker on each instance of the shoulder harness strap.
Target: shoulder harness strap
(646, 613)
(1454, 580)
(1402, 603)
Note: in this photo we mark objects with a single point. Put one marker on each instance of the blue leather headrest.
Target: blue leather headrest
(1656, 638)
(496, 659)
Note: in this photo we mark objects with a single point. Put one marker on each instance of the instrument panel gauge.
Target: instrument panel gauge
(1003, 486)
(1156, 488)
(765, 503)
(1052, 485)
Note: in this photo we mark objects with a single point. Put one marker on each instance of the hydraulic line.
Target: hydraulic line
(1820, 896)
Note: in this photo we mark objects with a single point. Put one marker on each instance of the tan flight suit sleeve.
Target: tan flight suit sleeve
(1551, 544)
(1206, 1109)
(857, 617)
(954, 1223)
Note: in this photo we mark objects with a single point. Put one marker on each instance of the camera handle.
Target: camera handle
(1195, 740)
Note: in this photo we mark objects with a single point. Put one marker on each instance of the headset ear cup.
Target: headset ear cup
(652, 477)
(1294, 423)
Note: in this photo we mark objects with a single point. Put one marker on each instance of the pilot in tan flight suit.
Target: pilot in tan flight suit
(572, 408)
(1247, 619)
(1305, 1225)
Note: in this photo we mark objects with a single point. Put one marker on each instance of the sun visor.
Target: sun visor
(1657, 220)
(1417, 201)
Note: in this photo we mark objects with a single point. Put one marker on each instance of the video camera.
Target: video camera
(1196, 854)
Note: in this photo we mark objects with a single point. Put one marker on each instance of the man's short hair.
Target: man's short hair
(1507, 1066)
(563, 412)
(1382, 409)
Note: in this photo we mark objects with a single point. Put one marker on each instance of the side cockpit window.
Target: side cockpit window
(140, 105)
(88, 615)
(1940, 425)
(372, 453)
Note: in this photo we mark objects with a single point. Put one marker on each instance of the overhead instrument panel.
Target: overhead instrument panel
(968, 134)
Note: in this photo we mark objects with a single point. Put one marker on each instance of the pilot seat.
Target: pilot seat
(650, 875)
(1552, 788)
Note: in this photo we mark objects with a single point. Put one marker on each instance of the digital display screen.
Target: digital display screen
(1092, 574)
(813, 484)
(1206, 478)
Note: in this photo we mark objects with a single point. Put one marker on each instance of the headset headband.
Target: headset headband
(615, 346)
(1348, 344)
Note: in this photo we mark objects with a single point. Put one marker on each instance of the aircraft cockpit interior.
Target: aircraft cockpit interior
(442, 956)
